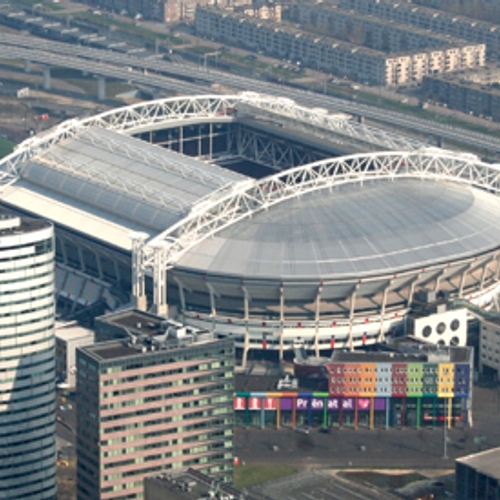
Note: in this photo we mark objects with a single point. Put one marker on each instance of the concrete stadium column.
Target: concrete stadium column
(160, 304)
(439, 277)
(210, 140)
(99, 265)
(64, 253)
(381, 337)
(411, 290)
(81, 258)
(316, 320)
(246, 307)
(46, 78)
(462, 280)
(101, 88)
(27, 66)
(352, 308)
(138, 278)
(282, 320)
(182, 297)
(483, 273)
(213, 309)
(497, 271)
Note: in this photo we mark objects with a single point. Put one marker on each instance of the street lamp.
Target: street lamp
(445, 444)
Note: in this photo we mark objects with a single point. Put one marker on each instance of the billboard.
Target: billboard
(316, 404)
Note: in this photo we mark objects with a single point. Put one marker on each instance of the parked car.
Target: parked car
(302, 430)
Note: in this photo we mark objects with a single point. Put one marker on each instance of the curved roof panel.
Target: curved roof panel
(117, 178)
(355, 231)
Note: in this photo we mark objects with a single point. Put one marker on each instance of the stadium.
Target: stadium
(257, 218)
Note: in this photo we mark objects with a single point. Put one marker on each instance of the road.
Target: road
(113, 63)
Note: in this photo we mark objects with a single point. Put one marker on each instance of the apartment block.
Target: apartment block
(431, 19)
(152, 404)
(359, 29)
(464, 94)
(331, 55)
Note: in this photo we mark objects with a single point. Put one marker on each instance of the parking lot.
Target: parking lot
(379, 448)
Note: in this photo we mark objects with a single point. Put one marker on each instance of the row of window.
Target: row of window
(399, 370)
(396, 381)
(351, 391)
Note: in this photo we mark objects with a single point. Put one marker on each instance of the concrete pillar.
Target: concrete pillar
(46, 78)
(316, 320)
(246, 344)
(101, 88)
(138, 278)
(213, 306)
(182, 296)
(381, 337)
(282, 321)
(27, 66)
(160, 280)
(352, 309)
(99, 265)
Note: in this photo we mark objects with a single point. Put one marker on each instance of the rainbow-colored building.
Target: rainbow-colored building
(373, 390)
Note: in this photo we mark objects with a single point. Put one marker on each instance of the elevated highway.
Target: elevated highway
(180, 76)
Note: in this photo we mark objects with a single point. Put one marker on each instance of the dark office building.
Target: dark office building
(477, 476)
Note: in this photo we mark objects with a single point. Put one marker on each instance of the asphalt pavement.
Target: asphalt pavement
(378, 448)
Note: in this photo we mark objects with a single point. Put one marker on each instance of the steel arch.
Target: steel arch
(145, 116)
(238, 201)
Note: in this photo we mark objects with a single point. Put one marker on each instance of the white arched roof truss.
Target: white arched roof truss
(151, 115)
(227, 207)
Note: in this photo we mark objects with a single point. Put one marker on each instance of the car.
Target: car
(302, 430)
(325, 430)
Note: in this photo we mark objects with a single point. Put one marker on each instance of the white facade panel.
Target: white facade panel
(27, 359)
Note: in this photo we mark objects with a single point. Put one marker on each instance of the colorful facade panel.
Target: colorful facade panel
(399, 379)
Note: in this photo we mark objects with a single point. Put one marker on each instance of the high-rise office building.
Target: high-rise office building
(156, 401)
(27, 360)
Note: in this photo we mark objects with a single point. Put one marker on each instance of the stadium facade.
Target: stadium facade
(324, 252)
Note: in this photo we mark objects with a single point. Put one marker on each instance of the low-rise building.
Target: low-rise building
(413, 384)
(477, 477)
(188, 485)
(69, 336)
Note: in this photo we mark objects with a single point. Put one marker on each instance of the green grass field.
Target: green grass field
(6, 147)
(248, 475)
